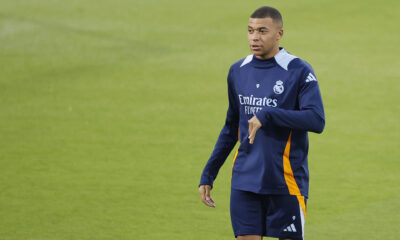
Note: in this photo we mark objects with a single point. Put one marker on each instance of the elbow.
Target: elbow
(317, 122)
(320, 125)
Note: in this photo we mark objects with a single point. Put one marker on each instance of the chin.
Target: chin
(259, 55)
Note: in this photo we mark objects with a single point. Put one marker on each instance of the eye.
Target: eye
(250, 30)
(263, 30)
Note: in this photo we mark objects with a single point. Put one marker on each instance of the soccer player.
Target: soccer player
(274, 100)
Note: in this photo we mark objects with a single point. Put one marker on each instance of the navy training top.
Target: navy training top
(283, 93)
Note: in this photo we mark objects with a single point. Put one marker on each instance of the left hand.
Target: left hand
(254, 125)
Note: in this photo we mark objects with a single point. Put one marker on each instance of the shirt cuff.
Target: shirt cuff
(206, 181)
(263, 116)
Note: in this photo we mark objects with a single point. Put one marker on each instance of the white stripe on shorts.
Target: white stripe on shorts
(302, 220)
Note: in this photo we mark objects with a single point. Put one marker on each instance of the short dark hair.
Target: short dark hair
(270, 12)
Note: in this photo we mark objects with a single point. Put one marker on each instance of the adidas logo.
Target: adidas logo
(290, 228)
(311, 78)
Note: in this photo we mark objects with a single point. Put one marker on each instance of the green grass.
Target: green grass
(110, 110)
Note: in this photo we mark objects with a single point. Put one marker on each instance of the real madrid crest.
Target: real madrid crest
(278, 87)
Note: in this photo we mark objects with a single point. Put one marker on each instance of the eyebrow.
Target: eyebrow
(257, 28)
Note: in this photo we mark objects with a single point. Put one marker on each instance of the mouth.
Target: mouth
(255, 47)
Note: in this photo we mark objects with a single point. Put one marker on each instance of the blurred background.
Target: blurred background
(110, 110)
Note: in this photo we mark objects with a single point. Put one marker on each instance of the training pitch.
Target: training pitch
(110, 110)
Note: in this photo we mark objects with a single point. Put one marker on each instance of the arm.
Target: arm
(309, 117)
(226, 140)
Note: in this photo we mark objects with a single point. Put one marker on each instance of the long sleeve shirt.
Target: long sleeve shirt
(283, 93)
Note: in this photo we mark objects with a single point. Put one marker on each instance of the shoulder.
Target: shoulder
(301, 65)
(290, 62)
(297, 66)
(241, 62)
(235, 68)
(302, 69)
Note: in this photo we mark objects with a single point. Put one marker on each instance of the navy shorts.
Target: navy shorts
(277, 216)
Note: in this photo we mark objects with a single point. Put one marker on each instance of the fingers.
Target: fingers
(252, 135)
(204, 191)
(209, 200)
(254, 125)
(250, 126)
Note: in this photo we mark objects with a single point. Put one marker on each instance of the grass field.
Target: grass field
(110, 110)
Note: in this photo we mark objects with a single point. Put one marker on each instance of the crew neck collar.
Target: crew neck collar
(282, 58)
(265, 63)
(280, 52)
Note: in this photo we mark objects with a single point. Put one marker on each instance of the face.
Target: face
(263, 36)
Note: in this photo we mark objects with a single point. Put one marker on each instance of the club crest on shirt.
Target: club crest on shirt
(278, 87)
(257, 85)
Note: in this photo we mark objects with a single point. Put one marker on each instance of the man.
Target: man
(274, 100)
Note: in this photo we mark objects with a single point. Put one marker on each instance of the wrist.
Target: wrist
(263, 116)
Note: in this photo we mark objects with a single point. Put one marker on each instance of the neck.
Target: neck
(271, 54)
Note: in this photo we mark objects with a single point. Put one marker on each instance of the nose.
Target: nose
(255, 37)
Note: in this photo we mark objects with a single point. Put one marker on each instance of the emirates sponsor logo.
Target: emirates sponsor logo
(254, 104)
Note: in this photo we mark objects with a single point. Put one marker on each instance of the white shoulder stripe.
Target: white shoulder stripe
(283, 58)
(247, 60)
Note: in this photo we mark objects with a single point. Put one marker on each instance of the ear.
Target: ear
(279, 34)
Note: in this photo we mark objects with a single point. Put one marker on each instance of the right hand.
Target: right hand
(205, 196)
